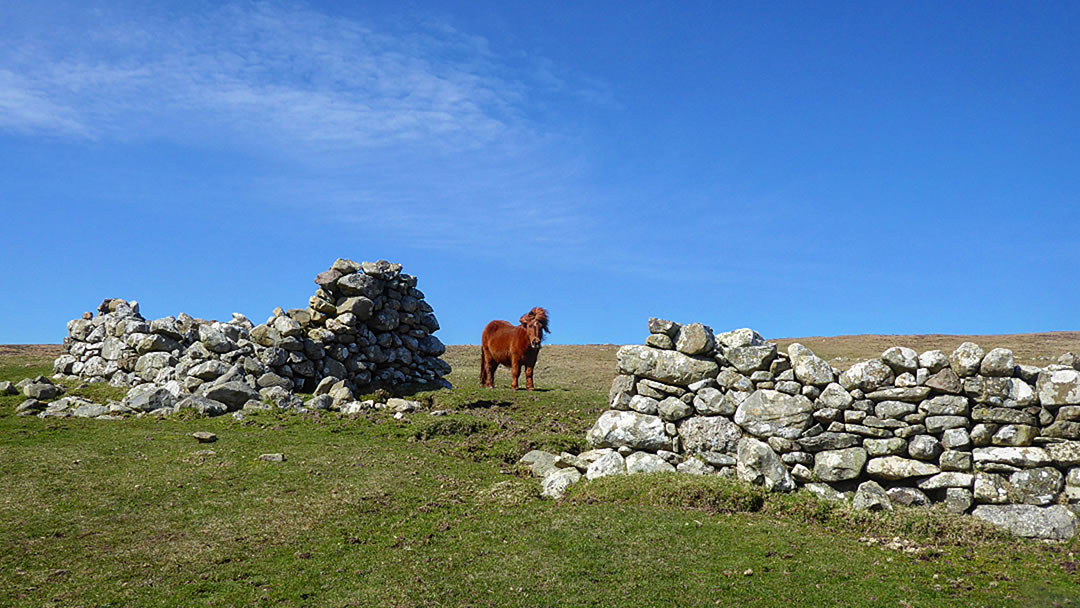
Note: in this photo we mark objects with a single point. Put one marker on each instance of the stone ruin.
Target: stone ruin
(971, 429)
(366, 327)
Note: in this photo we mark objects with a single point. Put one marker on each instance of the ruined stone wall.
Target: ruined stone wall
(970, 429)
(366, 327)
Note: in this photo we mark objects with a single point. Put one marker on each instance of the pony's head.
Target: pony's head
(536, 323)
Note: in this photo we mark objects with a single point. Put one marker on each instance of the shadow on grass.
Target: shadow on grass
(485, 404)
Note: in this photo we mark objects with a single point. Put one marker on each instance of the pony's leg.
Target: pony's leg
(515, 367)
(487, 370)
(528, 377)
(485, 363)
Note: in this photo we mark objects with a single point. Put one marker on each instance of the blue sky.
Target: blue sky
(799, 168)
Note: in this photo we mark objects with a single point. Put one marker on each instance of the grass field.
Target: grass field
(432, 511)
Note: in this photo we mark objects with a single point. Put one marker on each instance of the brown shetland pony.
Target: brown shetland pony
(505, 344)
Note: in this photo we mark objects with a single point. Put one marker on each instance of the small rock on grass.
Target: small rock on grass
(273, 457)
(204, 436)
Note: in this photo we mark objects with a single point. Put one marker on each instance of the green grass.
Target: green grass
(429, 511)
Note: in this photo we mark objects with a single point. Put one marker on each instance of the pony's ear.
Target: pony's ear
(527, 317)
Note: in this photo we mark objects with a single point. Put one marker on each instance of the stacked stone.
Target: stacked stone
(367, 327)
(970, 429)
(367, 323)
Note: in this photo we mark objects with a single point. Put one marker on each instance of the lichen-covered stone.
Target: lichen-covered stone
(702, 434)
(867, 376)
(630, 429)
(758, 464)
(1055, 522)
(670, 367)
(840, 465)
(766, 413)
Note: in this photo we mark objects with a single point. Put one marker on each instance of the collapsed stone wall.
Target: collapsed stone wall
(366, 327)
(970, 429)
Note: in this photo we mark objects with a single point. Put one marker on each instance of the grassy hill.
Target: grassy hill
(430, 510)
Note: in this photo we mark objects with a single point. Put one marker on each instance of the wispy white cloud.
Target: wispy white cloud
(262, 70)
(420, 121)
(26, 109)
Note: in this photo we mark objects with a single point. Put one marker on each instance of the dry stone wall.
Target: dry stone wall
(970, 429)
(366, 327)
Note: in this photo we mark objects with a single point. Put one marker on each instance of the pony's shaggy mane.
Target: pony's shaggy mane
(538, 315)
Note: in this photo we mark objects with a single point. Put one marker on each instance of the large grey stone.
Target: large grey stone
(767, 413)
(829, 441)
(539, 462)
(925, 447)
(839, 465)
(202, 405)
(909, 497)
(90, 410)
(149, 365)
(209, 370)
(867, 376)
(910, 394)
(739, 338)
(955, 460)
(1063, 429)
(958, 500)
(894, 468)
(998, 362)
(149, 397)
(1064, 454)
(710, 402)
(871, 497)
(42, 391)
(748, 359)
(901, 359)
(934, 361)
(643, 405)
(695, 339)
(966, 358)
(672, 409)
(938, 424)
(894, 409)
(1038, 486)
(758, 464)
(1003, 415)
(991, 488)
(663, 326)
(610, 463)
(557, 481)
(702, 434)
(812, 369)
(836, 397)
(1024, 457)
(359, 306)
(893, 446)
(1015, 435)
(948, 479)
(156, 343)
(215, 339)
(234, 394)
(1059, 387)
(1055, 522)
(615, 429)
(359, 284)
(667, 366)
(945, 381)
(945, 405)
(644, 462)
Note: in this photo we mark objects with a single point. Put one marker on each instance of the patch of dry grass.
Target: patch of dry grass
(583, 366)
(1030, 349)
